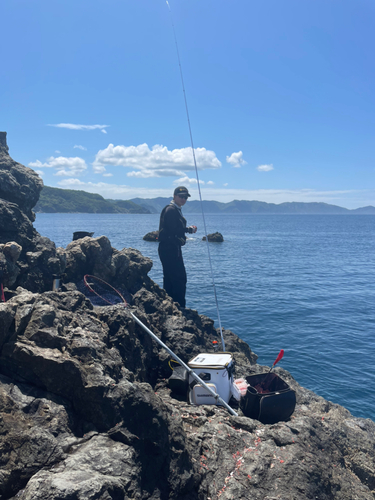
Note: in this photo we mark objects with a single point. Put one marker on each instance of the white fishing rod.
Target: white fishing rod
(197, 176)
(110, 295)
(189, 370)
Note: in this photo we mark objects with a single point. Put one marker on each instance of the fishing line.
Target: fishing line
(197, 176)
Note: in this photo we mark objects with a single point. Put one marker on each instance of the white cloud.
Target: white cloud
(99, 170)
(164, 172)
(210, 183)
(225, 185)
(236, 160)
(63, 166)
(107, 175)
(76, 182)
(80, 147)
(57, 152)
(74, 126)
(187, 181)
(265, 168)
(158, 161)
(40, 172)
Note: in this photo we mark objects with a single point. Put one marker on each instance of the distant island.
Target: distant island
(55, 200)
(155, 205)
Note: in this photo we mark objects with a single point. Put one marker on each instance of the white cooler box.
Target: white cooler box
(216, 370)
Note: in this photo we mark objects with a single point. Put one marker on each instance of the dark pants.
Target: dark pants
(174, 272)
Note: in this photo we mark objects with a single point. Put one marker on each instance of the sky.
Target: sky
(280, 97)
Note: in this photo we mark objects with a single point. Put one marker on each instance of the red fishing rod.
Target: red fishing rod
(279, 356)
(263, 386)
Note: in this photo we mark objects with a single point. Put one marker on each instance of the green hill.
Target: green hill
(155, 205)
(55, 200)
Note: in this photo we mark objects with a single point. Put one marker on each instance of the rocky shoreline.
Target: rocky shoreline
(85, 407)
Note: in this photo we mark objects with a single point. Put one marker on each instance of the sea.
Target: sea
(302, 283)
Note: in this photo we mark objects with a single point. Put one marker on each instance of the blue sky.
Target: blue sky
(280, 97)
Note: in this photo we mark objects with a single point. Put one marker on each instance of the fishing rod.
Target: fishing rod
(197, 176)
(187, 368)
(107, 293)
(279, 356)
(270, 376)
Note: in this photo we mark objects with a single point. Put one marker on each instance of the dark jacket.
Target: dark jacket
(172, 227)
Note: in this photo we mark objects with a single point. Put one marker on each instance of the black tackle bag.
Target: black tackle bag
(268, 398)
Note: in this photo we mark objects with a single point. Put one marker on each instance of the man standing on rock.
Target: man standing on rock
(172, 230)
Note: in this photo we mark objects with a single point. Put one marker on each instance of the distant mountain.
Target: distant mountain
(155, 205)
(55, 200)
(364, 210)
(128, 207)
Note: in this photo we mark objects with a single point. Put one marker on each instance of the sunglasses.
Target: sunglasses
(182, 196)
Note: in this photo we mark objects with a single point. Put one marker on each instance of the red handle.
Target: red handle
(280, 355)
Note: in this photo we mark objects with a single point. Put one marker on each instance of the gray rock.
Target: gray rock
(18, 184)
(11, 250)
(9, 271)
(39, 262)
(15, 225)
(95, 256)
(34, 266)
(108, 472)
(84, 391)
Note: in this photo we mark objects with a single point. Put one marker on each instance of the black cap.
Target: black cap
(181, 190)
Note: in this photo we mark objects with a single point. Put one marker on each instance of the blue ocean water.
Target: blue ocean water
(302, 283)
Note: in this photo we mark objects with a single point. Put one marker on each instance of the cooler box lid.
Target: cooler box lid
(217, 360)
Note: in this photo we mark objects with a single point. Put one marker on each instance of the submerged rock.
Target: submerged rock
(152, 236)
(214, 237)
